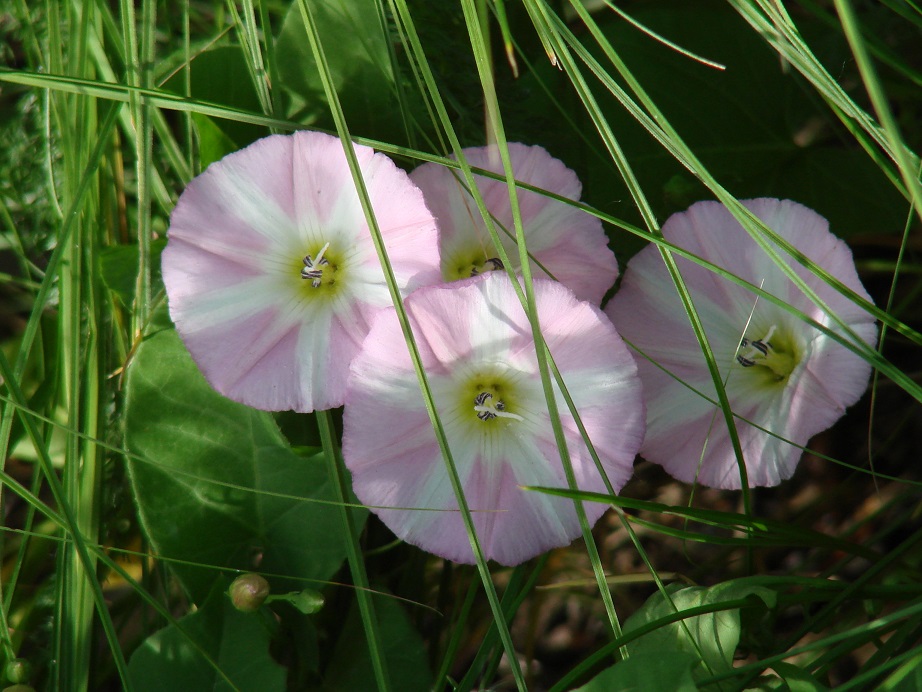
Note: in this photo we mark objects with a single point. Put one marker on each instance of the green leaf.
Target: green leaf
(356, 48)
(755, 125)
(220, 76)
(236, 643)
(796, 679)
(712, 638)
(306, 601)
(118, 266)
(217, 484)
(213, 143)
(350, 666)
(646, 672)
(906, 678)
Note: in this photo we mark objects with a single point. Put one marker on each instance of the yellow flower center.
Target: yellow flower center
(468, 266)
(490, 398)
(773, 357)
(319, 270)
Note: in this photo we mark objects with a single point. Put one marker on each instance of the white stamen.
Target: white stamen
(763, 353)
(757, 349)
(487, 411)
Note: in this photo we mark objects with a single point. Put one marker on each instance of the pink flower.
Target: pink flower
(780, 373)
(271, 273)
(564, 242)
(477, 350)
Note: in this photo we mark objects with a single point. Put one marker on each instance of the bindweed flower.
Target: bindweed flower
(271, 273)
(780, 373)
(476, 346)
(564, 242)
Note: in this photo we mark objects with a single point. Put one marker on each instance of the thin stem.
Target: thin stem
(353, 554)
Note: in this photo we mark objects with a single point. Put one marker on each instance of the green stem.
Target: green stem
(353, 554)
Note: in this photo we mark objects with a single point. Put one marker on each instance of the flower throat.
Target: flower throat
(762, 353)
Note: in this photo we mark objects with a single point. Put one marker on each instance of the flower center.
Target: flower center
(469, 262)
(492, 264)
(487, 409)
(318, 270)
(762, 353)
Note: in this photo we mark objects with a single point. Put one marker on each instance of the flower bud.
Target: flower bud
(248, 592)
(18, 670)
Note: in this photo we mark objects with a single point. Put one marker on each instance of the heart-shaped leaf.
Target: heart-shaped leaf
(216, 482)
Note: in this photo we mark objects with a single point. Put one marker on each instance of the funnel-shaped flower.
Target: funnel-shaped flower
(270, 269)
(564, 242)
(477, 350)
(780, 373)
